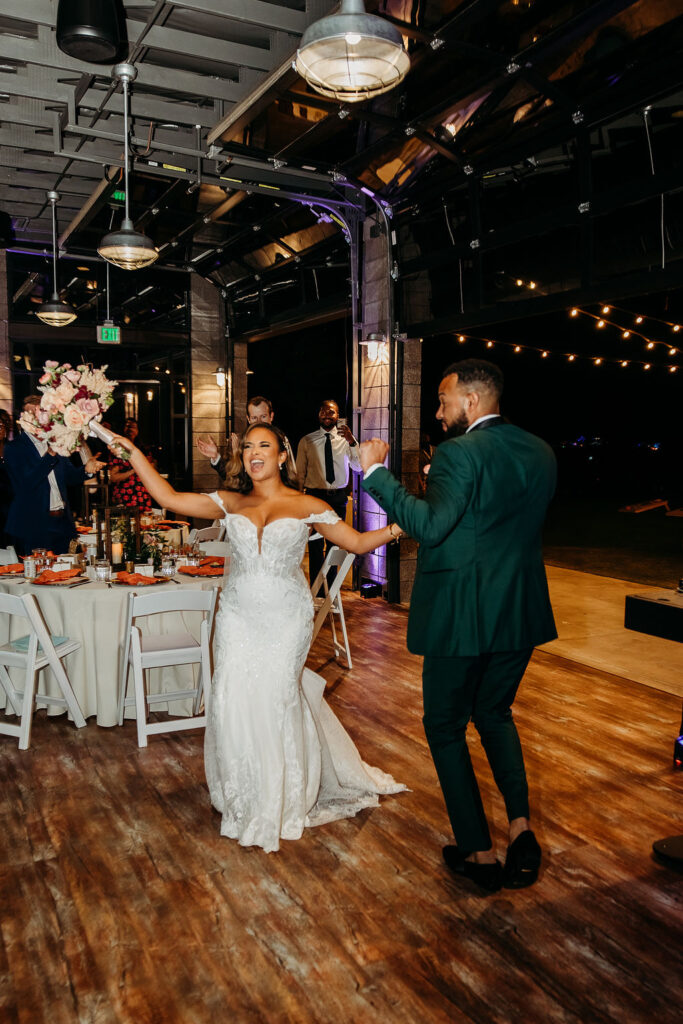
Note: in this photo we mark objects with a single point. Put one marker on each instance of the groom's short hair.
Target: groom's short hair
(478, 375)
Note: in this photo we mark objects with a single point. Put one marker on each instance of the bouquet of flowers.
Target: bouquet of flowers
(74, 399)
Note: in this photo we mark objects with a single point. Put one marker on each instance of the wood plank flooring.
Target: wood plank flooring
(121, 903)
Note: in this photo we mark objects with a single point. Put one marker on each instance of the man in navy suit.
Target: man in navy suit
(39, 515)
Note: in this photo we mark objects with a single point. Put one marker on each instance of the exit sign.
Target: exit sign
(108, 334)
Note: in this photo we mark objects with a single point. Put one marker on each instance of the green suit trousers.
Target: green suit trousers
(480, 688)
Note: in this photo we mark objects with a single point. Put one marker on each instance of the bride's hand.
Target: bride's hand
(122, 442)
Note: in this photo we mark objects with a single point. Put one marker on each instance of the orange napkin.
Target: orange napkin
(84, 529)
(48, 576)
(200, 570)
(134, 579)
(48, 554)
(213, 560)
(11, 568)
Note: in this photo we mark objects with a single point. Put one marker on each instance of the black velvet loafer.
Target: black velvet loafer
(522, 861)
(486, 876)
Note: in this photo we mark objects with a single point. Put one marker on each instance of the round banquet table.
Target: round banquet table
(95, 614)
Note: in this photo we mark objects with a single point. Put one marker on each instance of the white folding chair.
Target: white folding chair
(215, 532)
(215, 547)
(8, 556)
(163, 651)
(331, 604)
(32, 652)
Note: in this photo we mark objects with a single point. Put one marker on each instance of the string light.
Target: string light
(571, 356)
(676, 328)
(532, 285)
(601, 323)
(639, 319)
(605, 309)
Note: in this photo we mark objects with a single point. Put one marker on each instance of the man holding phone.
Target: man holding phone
(323, 459)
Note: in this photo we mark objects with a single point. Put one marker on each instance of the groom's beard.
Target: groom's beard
(458, 427)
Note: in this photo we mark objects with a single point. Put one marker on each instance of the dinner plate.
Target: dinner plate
(152, 581)
(15, 572)
(59, 583)
(202, 575)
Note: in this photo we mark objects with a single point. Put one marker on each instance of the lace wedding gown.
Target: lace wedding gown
(277, 759)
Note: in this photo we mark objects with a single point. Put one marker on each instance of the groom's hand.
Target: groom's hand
(373, 451)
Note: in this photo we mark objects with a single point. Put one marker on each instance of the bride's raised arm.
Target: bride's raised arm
(359, 543)
(186, 502)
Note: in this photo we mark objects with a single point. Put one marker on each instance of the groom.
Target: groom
(479, 604)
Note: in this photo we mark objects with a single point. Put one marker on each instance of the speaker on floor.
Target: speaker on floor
(93, 31)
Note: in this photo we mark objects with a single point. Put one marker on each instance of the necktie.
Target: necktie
(329, 462)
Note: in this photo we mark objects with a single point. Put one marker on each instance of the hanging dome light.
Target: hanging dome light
(55, 313)
(351, 55)
(127, 248)
(89, 30)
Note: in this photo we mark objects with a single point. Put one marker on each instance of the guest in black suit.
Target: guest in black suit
(5, 485)
(39, 515)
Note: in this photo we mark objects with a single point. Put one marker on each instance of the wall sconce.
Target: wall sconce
(376, 346)
(220, 376)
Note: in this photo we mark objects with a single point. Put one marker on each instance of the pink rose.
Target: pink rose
(52, 363)
(73, 376)
(44, 379)
(74, 418)
(89, 407)
(65, 392)
(43, 417)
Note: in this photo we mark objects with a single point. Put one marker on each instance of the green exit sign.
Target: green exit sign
(119, 195)
(108, 334)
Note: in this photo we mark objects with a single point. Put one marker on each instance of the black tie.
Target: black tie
(329, 462)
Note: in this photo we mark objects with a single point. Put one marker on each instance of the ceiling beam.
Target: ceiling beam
(46, 54)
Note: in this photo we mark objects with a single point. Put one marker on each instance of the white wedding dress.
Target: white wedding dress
(277, 759)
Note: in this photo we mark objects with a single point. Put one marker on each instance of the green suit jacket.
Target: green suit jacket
(480, 584)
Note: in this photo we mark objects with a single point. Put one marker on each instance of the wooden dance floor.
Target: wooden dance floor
(121, 903)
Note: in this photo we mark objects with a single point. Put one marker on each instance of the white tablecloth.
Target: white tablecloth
(95, 614)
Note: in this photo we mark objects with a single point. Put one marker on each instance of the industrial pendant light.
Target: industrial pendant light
(127, 248)
(89, 30)
(55, 313)
(352, 55)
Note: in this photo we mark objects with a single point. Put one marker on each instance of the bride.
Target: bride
(276, 757)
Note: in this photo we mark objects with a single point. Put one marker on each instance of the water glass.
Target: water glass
(30, 571)
(168, 567)
(102, 570)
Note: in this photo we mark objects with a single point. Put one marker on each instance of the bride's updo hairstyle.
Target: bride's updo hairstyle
(237, 478)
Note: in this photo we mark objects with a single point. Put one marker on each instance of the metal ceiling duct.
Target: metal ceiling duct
(90, 30)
